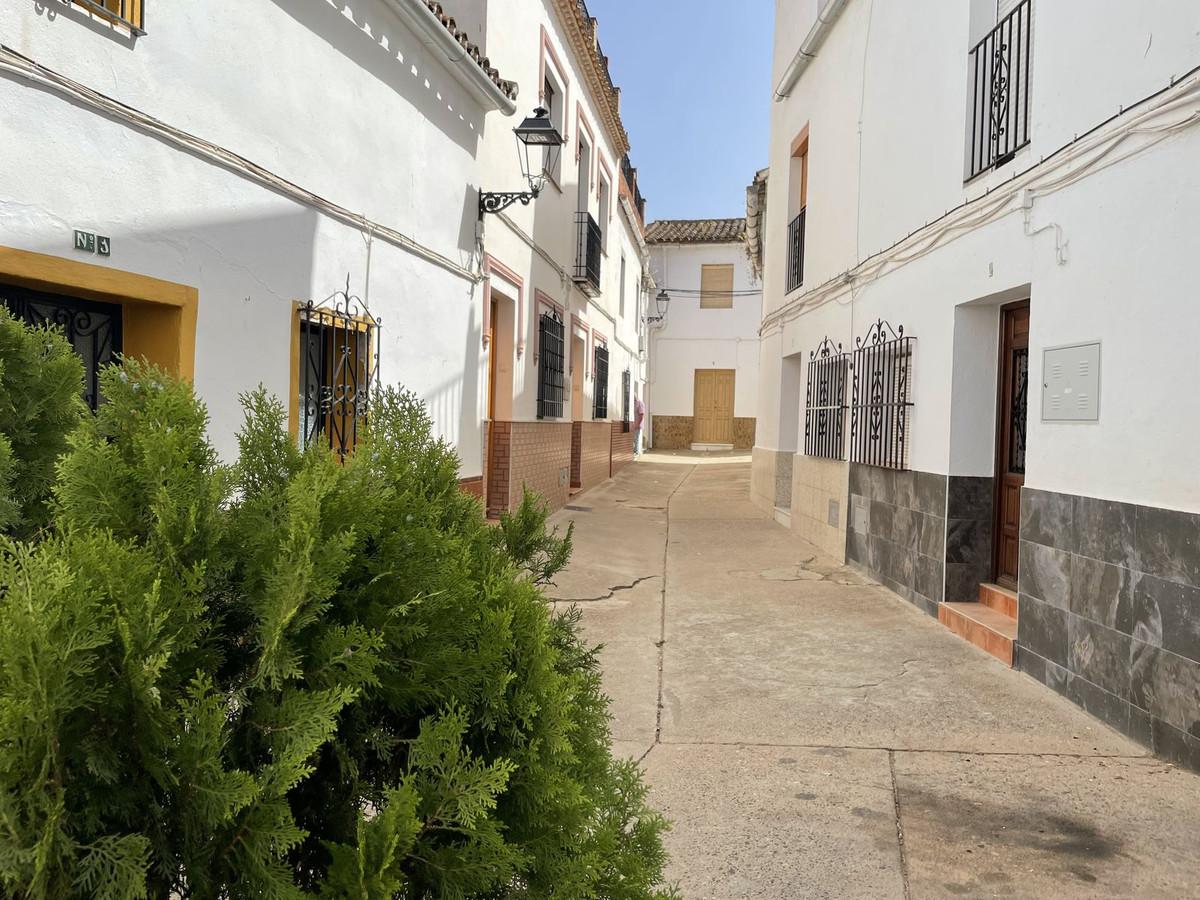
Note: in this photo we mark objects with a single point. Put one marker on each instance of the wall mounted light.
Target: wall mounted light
(538, 146)
(662, 301)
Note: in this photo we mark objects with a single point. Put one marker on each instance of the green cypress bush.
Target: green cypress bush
(290, 677)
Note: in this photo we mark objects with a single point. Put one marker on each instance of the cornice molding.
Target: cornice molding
(580, 31)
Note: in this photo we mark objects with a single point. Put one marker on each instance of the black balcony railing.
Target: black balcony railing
(587, 256)
(795, 267)
(1000, 91)
(127, 12)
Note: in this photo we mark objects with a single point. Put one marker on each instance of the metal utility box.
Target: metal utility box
(1071, 383)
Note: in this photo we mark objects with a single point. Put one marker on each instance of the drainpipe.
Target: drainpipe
(808, 50)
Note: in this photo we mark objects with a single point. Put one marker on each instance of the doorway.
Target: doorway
(713, 407)
(1011, 419)
(578, 348)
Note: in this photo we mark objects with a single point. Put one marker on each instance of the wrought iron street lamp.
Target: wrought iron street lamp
(539, 145)
(662, 301)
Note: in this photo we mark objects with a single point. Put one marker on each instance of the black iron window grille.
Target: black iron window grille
(600, 407)
(825, 402)
(550, 367)
(1020, 407)
(339, 355)
(129, 13)
(587, 254)
(626, 388)
(879, 411)
(93, 329)
(795, 266)
(1000, 91)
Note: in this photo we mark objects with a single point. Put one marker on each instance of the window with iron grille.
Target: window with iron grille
(337, 346)
(601, 371)
(880, 407)
(1000, 91)
(127, 12)
(825, 402)
(626, 387)
(93, 329)
(550, 367)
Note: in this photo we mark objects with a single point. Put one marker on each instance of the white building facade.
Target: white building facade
(704, 353)
(977, 360)
(292, 202)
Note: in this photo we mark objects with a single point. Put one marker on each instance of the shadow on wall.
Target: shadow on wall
(75, 16)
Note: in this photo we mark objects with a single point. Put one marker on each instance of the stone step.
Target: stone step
(987, 628)
(783, 516)
(999, 598)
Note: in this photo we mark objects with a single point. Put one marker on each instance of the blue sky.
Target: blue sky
(696, 94)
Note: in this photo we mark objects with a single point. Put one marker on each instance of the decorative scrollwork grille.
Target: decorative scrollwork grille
(1000, 65)
(879, 411)
(339, 356)
(550, 367)
(600, 410)
(93, 329)
(825, 402)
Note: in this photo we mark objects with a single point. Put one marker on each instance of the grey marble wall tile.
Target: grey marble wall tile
(1043, 629)
(906, 490)
(875, 550)
(1102, 592)
(1100, 655)
(970, 497)
(904, 565)
(962, 583)
(1167, 686)
(883, 484)
(904, 527)
(1141, 726)
(882, 514)
(1106, 707)
(1048, 518)
(929, 578)
(1051, 674)
(932, 539)
(860, 479)
(968, 541)
(1168, 544)
(856, 546)
(1045, 573)
(1167, 614)
(860, 514)
(1104, 530)
(1177, 746)
(931, 493)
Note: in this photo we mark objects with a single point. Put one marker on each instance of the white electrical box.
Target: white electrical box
(1071, 383)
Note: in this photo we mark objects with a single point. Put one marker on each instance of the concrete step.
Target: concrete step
(783, 516)
(999, 598)
(987, 628)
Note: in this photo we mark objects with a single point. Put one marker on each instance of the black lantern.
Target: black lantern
(539, 145)
(661, 301)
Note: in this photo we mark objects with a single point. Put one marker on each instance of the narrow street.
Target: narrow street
(812, 735)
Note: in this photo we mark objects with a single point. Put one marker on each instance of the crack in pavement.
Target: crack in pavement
(853, 687)
(616, 588)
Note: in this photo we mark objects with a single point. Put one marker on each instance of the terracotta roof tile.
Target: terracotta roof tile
(508, 88)
(696, 231)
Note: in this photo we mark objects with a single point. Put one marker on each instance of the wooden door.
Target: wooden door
(1011, 419)
(713, 420)
(577, 363)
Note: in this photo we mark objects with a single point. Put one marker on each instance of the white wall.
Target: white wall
(692, 338)
(1128, 225)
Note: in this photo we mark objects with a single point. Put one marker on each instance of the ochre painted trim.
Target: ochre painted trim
(159, 317)
(560, 71)
(582, 126)
(800, 142)
(602, 165)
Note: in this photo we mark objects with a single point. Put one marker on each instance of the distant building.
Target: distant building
(979, 329)
(703, 380)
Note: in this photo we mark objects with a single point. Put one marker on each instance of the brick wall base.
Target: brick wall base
(472, 486)
(621, 447)
(533, 455)
(591, 449)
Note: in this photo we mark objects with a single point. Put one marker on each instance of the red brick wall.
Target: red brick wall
(621, 446)
(472, 486)
(498, 468)
(595, 451)
(532, 455)
(576, 454)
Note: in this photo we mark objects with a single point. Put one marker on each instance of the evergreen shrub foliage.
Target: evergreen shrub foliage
(289, 677)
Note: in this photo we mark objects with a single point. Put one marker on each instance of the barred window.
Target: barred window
(626, 385)
(825, 402)
(880, 408)
(601, 371)
(335, 373)
(127, 12)
(550, 367)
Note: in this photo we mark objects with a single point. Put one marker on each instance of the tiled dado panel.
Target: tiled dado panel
(968, 536)
(620, 447)
(1110, 614)
(671, 432)
(743, 432)
(897, 531)
(595, 449)
(533, 455)
(819, 488)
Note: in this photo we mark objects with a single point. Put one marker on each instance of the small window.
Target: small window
(716, 287)
(605, 193)
(825, 402)
(621, 310)
(552, 100)
(335, 373)
(551, 367)
(600, 410)
(999, 89)
(797, 212)
(127, 12)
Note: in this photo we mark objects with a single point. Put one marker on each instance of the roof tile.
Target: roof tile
(696, 231)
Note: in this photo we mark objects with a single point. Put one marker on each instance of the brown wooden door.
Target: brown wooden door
(1012, 415)
(713, 420)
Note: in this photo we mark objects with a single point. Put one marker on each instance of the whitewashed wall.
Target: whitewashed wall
(692, 338)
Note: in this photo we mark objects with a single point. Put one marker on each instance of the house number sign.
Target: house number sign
(88, 242)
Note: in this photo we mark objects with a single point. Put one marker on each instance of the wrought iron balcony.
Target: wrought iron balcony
(795, 267)
(1000, 92)
(587, 255)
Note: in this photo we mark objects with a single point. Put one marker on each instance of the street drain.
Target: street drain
(578, 508)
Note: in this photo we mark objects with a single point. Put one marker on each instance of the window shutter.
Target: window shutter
(716, 287)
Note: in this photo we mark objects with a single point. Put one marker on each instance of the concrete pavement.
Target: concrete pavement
(812, 735)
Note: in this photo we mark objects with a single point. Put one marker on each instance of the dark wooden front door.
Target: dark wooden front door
(1010, 438)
